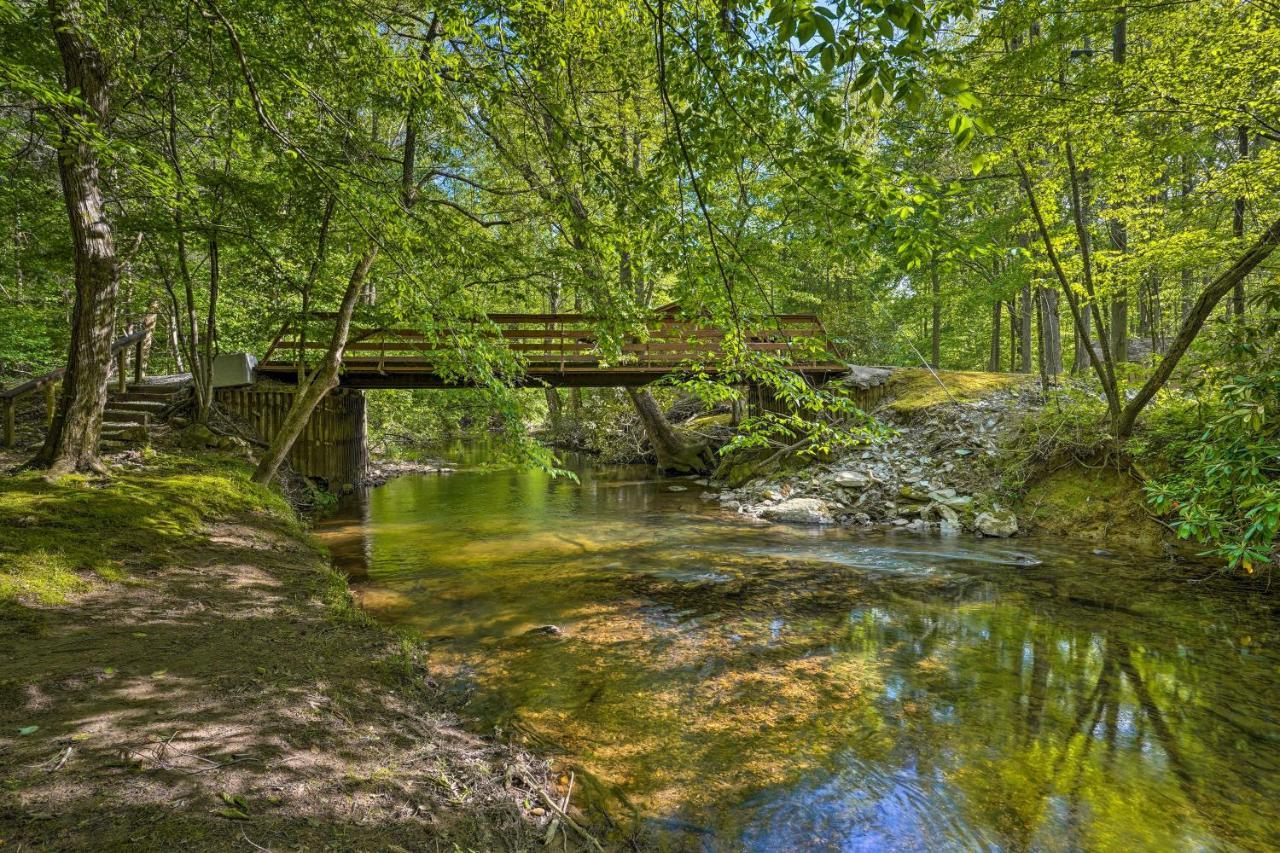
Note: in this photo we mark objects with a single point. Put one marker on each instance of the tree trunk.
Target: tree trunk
(1024, 330)
(1120, 327)
(1050, 331)
(673, 453)
(993, 363)
(1119, 233)
(1013, 333)
(1081, 360)
(321, 382)
(935, 339)
(1217, 289)
(554, 409)
(1237, 224)
(72, 442)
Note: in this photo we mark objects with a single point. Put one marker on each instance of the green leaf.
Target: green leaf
(825, 28)
(28, 730)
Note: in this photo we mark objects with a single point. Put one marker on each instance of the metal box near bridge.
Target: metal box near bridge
(233, 369)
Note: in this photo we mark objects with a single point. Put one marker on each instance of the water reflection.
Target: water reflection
(723, 684)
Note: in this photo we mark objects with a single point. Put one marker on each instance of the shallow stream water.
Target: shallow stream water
(721, 684)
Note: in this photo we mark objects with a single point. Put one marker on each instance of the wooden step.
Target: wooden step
(158, 387)
(117, 417)
(165, 397)
(149, 406)
(116, 432)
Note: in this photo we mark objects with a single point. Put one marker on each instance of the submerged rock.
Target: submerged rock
(1000, 522)
(800, 511)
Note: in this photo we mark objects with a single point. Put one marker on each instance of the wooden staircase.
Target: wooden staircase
(139, 405)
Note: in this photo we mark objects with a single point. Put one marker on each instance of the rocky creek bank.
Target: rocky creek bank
(936, 471)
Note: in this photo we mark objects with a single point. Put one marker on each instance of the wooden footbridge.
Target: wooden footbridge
(556, 350)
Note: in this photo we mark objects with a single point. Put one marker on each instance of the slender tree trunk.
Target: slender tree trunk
(935, 340)
(1237, 223)
(72, 442)
(1011, 306)
(993, 363)
(1102, 366)
(1212, 295)
(321, 382)
(1024, 330)
(1081, 336)
(1119, 233)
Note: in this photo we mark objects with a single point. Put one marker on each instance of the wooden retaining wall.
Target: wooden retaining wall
(332, 448)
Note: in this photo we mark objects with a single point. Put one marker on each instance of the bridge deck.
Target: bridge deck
(560, 350)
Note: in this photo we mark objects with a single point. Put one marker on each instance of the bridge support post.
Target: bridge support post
(333, 446)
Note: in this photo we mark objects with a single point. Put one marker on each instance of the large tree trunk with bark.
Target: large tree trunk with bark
(674, 454)
(1050, 331)
(1024, 330)
(72, 442)
(325, 378)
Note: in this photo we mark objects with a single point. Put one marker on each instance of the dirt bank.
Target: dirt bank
(182, 669)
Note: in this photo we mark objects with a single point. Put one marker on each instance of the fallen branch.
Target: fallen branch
(555, 807)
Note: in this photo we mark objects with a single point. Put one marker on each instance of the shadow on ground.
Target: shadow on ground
(215, 702)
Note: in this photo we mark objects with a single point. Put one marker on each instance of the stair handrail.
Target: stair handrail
(9, 397)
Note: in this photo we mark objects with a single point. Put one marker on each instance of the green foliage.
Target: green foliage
(1221, 458)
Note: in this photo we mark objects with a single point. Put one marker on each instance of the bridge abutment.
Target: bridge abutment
(333, 447)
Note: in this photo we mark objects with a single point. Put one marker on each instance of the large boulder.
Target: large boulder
(800, 511)
(997, 522)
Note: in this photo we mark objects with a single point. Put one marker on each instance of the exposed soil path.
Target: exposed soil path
(224, 700)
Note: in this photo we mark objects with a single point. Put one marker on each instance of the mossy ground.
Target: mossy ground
(188, 672)
(1102, 505)
(914, 390)
(62, 537)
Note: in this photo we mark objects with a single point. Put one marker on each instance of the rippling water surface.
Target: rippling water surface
(727, 685)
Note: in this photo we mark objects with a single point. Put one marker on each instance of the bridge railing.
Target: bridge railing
(546, 343)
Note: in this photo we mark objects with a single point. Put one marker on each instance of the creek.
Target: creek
(720, 683)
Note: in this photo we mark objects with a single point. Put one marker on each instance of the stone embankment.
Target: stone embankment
(936, 471)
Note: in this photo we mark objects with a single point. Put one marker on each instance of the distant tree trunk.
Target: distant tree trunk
(1119, 233)
(1237, 223)
(1012, 307)
(1185, 295)
(935, 341)
(72, 442)
(1024, 330)
(1120, 327)
(554, 409)
(1081, 360)
(1050, 330)
(672, 452)
(325, 378)
(993, 363)
(1155, 311)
